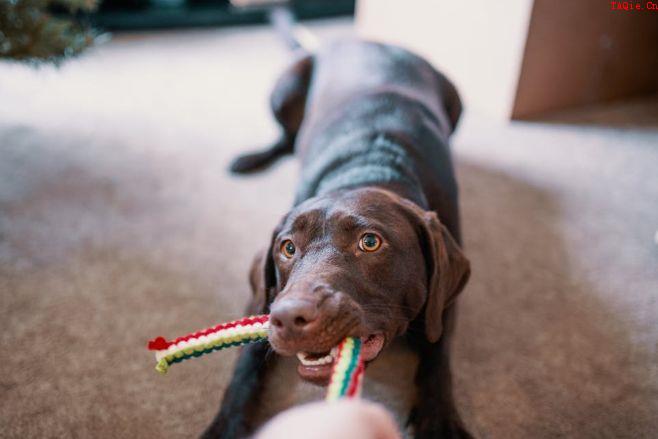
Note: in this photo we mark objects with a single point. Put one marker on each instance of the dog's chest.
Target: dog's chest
(389, 380)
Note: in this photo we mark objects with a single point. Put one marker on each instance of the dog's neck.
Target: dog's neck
(389, 380)
(371, 160)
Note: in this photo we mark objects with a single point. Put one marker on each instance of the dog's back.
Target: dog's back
(379, 114)
(346, 70)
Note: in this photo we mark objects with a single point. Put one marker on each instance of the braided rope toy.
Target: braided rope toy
(224, 335)
(346, 377)
(348, 371)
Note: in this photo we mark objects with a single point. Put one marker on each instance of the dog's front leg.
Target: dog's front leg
(435, 415)
(241, 397)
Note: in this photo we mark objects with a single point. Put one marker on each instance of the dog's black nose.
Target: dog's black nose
(292, 316)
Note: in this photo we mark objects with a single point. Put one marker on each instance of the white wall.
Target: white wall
(477, 43)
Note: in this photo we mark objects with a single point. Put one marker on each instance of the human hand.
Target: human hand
(345, 419)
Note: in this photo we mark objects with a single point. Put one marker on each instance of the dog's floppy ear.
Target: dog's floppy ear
(448, 271)
(262, 278)
(447, 268)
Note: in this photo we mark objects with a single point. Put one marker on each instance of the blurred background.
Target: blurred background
(119, 222)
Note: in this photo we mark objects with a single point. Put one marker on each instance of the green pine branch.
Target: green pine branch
(30, 32)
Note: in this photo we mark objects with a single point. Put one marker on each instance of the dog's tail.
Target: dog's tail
(281, 17)
(295, 35)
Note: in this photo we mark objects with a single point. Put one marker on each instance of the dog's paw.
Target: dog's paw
(249, 163)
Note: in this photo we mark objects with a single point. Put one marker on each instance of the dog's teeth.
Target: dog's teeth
(334, 352)
(303, 358)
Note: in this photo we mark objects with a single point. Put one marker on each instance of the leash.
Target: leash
(346, 376)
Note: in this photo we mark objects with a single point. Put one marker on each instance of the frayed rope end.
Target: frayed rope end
(162, 366)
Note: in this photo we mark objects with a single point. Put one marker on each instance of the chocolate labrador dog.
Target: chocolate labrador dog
(371, 247)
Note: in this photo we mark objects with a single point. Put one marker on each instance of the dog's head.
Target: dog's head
(362, 262)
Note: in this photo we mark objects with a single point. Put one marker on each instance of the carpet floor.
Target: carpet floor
(118, 222)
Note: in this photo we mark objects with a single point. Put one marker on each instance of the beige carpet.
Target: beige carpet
(118, 223)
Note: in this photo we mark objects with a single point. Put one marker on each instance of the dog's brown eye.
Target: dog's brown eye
(370, 242)
(288, 248)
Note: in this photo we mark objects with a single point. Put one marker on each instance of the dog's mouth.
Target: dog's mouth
(316, 367)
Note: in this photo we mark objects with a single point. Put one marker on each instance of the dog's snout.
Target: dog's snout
(293, 315)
